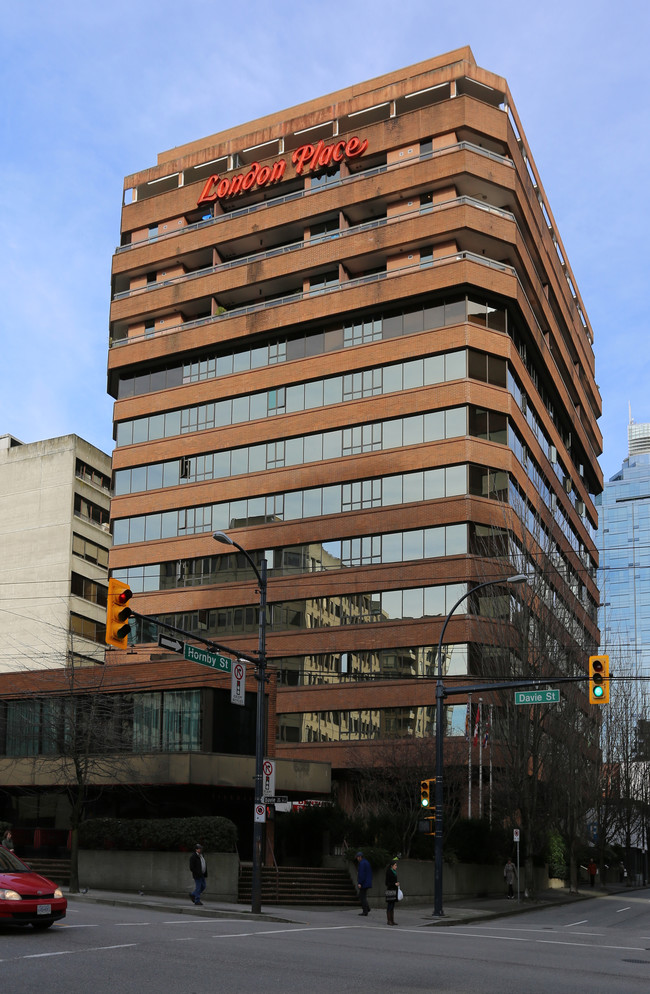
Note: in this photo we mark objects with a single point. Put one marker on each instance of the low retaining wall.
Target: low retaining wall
(157, 872)
(459, 880)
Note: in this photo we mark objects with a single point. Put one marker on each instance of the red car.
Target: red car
(27, 898)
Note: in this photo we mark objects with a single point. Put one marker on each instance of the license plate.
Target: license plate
(43, 909)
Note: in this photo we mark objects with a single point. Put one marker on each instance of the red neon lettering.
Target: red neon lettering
(250, 176)
(355, 147)
(206, 193)
(313, 164)
(235, 184)
(305, 157)
(278, 170)
(300, 156)
(325, 156)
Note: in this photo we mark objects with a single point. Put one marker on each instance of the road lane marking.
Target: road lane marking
(623, 909)
(291, 931)
(582, 922)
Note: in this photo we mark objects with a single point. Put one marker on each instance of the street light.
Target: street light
(440, 696)
(256, 891)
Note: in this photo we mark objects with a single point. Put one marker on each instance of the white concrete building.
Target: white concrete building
(54, 542)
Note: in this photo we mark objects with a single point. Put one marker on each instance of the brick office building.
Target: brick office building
(348, 333)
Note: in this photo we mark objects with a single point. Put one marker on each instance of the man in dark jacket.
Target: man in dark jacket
(199, 871)
(364, 882)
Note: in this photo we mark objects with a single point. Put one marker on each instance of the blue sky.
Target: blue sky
(92, 93)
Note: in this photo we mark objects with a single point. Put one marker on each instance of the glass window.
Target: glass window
(392, 377)
(140, 430)
(240, 409)
(455, 422)
(455, 364)
(122, 481)
(124, 433)
(434, 542)
(455, 479)
(333, 390)
(413, 373)
(434, 317)
(455, 312)
(391, 548)
(434, 426)
(434, 484)
(434, 369)
(172, 423)
(171, 473)
(434, 602)
(456, 539)
(155, 476)
(332, 500)
(138, 479)
(258, 406)
(295, 397)
(392, 434)
(413, 487)
(413, 545)
(413, 429)
(413, 603)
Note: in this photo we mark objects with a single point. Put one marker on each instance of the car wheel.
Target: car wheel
(41, 926)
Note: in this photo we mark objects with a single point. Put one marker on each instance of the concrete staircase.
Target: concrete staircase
(299, 885)
(57, 870)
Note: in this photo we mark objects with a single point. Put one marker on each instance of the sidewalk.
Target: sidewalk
(459, 912)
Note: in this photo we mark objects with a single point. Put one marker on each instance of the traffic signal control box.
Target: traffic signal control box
(599, 679)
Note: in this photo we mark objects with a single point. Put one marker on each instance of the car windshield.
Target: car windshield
(10, 863)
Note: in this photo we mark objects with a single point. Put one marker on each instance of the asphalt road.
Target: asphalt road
(600, 945)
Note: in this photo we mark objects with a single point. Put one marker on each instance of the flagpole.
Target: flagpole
(480, 759)
(468, 731)
(490, 742)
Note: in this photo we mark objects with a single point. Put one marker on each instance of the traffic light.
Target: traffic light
(425, 793)
(118, 613)
(599, 679)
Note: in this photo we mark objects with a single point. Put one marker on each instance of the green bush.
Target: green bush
(376, 856)
(471, 840)
(161, 834)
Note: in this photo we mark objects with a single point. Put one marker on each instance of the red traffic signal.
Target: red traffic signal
(118, 613)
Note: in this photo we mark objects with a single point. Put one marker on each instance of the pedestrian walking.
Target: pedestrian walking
(364, 882)
(510, 875)
(592, 869)
(8, 840)
(392, 884)
(199, 870)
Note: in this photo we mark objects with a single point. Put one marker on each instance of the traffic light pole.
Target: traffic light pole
(260, 736)
(440, 739)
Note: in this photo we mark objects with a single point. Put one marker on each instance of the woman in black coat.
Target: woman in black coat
(392, 883)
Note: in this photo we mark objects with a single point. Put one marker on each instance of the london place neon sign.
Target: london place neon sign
(306, 159)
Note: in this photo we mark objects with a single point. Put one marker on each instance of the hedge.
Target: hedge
(215, 834)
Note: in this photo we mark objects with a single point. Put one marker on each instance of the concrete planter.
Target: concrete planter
(157, 872)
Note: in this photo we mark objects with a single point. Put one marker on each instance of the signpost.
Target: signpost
(205, 658)
(537, 697)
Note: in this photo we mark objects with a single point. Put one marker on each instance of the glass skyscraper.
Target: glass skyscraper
(624, 547)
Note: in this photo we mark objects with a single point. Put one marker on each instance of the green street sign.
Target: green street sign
(206, 658)
(537, 697)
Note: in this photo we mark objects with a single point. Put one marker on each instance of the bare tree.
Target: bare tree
(82, 740)
(546, 630)
(388, 785)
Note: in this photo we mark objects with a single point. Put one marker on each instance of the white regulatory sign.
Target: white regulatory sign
(260, 812)
(515, 835)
